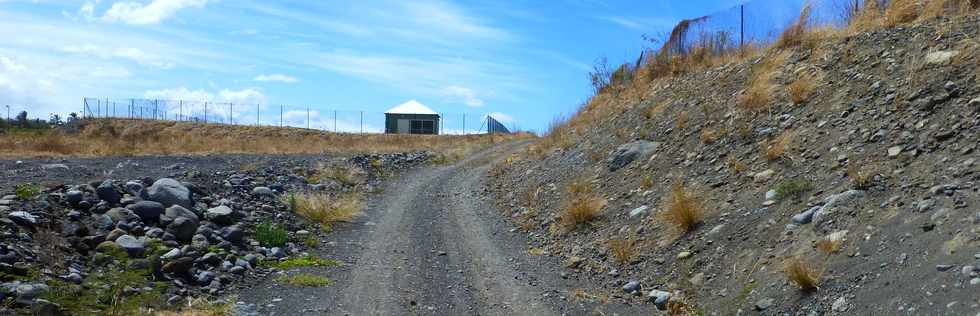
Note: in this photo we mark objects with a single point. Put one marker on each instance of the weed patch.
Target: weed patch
(270, 235)
(305, 279)
(683, 208)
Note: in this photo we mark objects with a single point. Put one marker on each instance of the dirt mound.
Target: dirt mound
(839, 177)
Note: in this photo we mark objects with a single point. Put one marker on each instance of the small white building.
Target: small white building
(411, 117)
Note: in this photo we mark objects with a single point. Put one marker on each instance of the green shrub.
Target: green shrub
(270, 235)
(27, 191)
(792, 189)
(311, 241)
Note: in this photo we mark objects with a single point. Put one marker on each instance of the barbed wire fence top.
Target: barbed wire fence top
(340, 121)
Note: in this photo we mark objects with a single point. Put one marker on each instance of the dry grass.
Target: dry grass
(682, 119)
(799, 91)
(582, 205)
(647, 182)
(135, 137)
(801, 273)
(683, 208)
(862, 178)
(655, 110)
(757, 96)
(712, 135)
(622, 250)
(736, 165)
(325, 209)
(901, 11)
(794, 34)
(343, 174)
(829, 245)
(778, 147)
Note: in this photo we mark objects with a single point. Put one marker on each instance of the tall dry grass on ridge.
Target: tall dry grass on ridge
(677, 57)
(120, 137)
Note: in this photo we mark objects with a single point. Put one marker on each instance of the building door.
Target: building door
(404, 126)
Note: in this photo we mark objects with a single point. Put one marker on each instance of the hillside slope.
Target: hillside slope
(881, 145)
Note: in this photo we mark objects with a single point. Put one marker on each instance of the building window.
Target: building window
(423, 127)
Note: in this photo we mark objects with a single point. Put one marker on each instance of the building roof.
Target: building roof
(411, 107)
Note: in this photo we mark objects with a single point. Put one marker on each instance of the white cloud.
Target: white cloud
(152, 13)
(181, 93)
(466, 95)
(501, 117)
(244, 96)
(276, 78)
(129, 53)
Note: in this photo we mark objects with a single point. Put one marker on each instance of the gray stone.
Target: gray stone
(627, 153)
(222, 215)
(182, 228)
(943, 267)
(102, 221)
(74, 277)
(133, 246)
(200, 242)
(942, 57)
(974, 281)
(659, 298)
(764, 176)
(170, 255)
(176, 211)
(232, 234)
(23, 218)
(237, 270)
(134, 188)
(42, 307)
(830, 205)
(170, 192)
(263, 191)
(639, 211)
(73, 197)
(30, 291)
(894, 151)
(205, 277)
(277, 252)
(148, 211)
(632, 287)
(119, 214)
(107, 192)
(764, 304)
(840, 305)
(55, 166)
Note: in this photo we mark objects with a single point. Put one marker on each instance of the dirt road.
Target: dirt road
(432, 244)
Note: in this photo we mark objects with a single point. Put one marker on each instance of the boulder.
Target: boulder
(221, 215)
(182, 228)
(148, 211)
(232, 234)
(107, 192)
(133, 246)
(180, 266)
(659, 298)
(119, 214)
(942, 57)
(134, 188)
(73, 197)
(626, 153)
(169, 192)
(23, 219)
(176, 211)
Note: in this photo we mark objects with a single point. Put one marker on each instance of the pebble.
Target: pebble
(764, 304)
(943, 267)
(684, 255)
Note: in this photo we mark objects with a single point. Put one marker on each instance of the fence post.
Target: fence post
(334, 121)
(280, 115)
(741, 32)
(205, 112)
(231, 113)
(180, 113)
(256, 114)
(307, 117)
(464, 123)
(156, 103)
(362, 122)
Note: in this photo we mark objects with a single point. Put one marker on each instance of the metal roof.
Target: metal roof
(411, 107)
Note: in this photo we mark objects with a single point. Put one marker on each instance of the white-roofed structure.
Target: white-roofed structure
(411, 117)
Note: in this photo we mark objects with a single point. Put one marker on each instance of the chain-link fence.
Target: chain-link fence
(341, 121)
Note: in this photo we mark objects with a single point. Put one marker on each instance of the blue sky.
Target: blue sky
(526, 61)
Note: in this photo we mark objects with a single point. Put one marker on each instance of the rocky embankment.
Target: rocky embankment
(93, 236)
(871, 181)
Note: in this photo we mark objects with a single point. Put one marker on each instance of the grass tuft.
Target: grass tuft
(778, 147)
(582, 206)
(270, 235)
(622, 250)
(801, 273)
(799, 90)
(792, 189)
(683, 208)
(301, 261)
(305, 279)
(324, 209)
